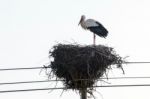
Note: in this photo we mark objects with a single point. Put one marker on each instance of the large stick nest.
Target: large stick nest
(80, 66)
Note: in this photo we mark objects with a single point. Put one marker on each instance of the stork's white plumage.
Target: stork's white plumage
(93, 26)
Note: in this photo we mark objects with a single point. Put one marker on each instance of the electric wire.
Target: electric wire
(25, 68)
(28, 68)
(56, 88)
(40, 89)
(42, 81)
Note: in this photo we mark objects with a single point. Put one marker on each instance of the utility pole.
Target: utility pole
(84, 93)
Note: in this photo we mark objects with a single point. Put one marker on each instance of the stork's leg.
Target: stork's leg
(94, 39)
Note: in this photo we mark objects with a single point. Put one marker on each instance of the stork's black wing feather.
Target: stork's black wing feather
(100, 30)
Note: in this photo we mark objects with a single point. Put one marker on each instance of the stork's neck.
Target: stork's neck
(83, 23)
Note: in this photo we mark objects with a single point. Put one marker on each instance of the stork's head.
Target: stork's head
(82, 19)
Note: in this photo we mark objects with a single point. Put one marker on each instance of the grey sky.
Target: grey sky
(29, 28)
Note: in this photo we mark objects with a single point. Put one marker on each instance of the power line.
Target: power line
(41, 89)
(41, 81)
(24, 82)
(140, 77)
(136, 62)
(25, 90)
(132, 85)
(28, 68)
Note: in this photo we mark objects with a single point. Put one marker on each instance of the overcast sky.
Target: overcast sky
(29, 28)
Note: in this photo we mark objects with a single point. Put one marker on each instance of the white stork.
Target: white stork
(93, 26)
